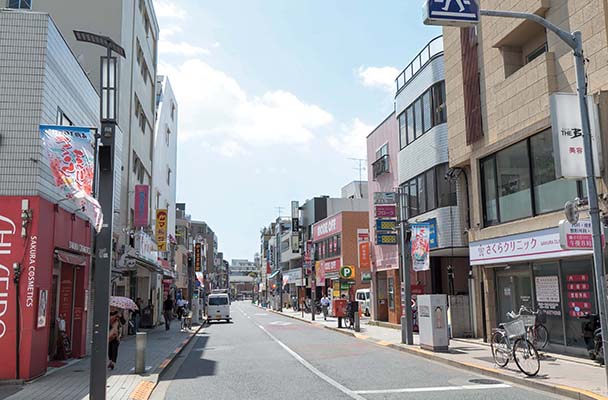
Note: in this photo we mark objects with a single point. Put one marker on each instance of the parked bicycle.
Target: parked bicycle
(509, 342)
(349, 320)
(536, 332)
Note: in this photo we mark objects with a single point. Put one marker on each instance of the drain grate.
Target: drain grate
(485, 381)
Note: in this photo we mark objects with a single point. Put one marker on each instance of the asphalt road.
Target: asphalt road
(262, 355)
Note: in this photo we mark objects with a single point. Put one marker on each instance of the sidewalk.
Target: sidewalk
(72, 381)
(568, 376)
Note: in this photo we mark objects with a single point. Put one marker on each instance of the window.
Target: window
(519, 181)
(413, 198)
(537, 52)
(380, 166)
(424, 113)
(429, 191)
(431, 200)
(20, 4)
(421, 194)
(382, 151)
(391, 293)
(446, 189)
(218, 301)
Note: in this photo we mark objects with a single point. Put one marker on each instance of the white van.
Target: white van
(218, 307)
(363, 297)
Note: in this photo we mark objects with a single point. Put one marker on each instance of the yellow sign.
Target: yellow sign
(161, 229)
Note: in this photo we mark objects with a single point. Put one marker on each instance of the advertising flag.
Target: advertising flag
(69, 151)
(140, 217)
(420, 247)
(161, 229)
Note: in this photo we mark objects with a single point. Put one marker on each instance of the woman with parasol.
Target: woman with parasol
(117, 320)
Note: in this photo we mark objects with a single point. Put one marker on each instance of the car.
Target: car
(218, 307)
(363, 297)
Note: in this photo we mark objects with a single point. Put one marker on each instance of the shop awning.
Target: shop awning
(71, 258)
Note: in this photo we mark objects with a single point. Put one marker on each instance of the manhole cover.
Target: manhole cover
(485, 381)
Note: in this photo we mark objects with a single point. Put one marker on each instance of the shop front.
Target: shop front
(532, 270)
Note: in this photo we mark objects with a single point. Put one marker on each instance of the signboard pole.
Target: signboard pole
(407, 334)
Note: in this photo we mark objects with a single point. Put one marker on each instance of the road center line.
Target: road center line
(434, 389)
(311, 368)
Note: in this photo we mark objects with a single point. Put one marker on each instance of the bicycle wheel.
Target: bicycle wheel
(541, 336)
(526, 357)
(500, 348)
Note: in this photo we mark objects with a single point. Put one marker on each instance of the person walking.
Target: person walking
(168, 312)
(117, 320)
(181, 307)
(325, 306)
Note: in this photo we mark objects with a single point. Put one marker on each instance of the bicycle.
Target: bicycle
(509, 342)
(349, 320)
(533, 321)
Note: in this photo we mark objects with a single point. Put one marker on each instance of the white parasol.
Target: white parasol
(123, 302)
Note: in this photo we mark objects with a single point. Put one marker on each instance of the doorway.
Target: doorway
(513, 289)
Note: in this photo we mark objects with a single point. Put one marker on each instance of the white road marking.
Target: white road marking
(280, 323)
(434, 389)
(314, 370)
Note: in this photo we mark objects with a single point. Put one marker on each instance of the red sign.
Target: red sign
(578, 278)
(386, 211)
(364, 261)
(580, 305)
(579, 295)
(331, 265)
(308, 254)
(578, 286)
(327, 227)
(141, 212)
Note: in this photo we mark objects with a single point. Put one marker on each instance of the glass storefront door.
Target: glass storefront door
(514, 289)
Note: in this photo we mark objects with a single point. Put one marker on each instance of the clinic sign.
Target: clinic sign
(567, 129)
(577, 236)
(451, 12)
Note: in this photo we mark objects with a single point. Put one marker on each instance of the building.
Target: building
(242, 267)
(43, 236)
(382, 156)
(355, 190)
(336, 241)
(502, 137)
(183, 256)
(436, 194)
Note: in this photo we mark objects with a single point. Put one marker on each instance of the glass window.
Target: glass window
(488, 179)
(446, 190)
(218, 301)
(382, 151)
(421, 195)
(413, 199)
(513, 171)
(427, 120)
(418, 118)
(402, 130)
(579, 297)
(431, 201)
(439, 108)
(548, 299)
(391, 293)
(550, 194)
(410, 124)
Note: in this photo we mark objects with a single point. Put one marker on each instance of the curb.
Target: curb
(561, 390)
(144, 389)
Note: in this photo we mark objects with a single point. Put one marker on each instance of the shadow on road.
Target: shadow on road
(195, 364)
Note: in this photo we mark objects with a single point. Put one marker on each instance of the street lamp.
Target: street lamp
(103, 253)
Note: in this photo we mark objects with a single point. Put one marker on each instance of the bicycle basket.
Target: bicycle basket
(529, 320)
(515, 328)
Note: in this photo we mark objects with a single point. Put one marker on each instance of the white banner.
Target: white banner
(420, 247)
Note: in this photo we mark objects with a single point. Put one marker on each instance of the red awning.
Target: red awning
(71, 258)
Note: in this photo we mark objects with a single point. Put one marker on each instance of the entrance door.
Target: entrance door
(54, 330)
(381, 298)
(514, 289)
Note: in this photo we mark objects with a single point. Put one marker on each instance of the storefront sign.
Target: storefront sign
(527, 246)
(9, 253)
(79, 248)
(363, 248)
(420, 247)
(347, 272)
(433, 244)
(69, 151)
(327, 227)
(161, 229)
(568, 135)
(547, 294)
(386, 211)
(331, 265)
(197, 257)
(579, 295)
(320, 273)
(386, 239)
(144, 246)
(366, 276)
(385, 197)
(386, 224)
(577, 236)
(140, 218)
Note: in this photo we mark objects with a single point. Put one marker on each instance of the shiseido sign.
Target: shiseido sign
(8, 239)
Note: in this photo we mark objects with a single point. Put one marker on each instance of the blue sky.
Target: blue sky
(274, 98)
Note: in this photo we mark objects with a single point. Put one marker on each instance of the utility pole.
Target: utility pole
(407, 330)
(277, 257)
(103, 255)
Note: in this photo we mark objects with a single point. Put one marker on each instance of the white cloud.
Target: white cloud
(214, 107)
(168, 9)
(170, 30)
(352, 141)
(180, 48)
(378, 77)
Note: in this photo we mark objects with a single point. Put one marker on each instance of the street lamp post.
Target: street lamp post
(103, 255)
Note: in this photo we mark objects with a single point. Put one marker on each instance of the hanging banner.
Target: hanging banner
(420, 247)
(161, 229)
(363, 247)
(69, 151)
(140, 217)
(197, 257)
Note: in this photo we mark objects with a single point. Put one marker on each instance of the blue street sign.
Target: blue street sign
(432, 233)
(451, 12)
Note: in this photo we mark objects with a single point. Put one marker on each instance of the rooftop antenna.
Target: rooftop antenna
(362, 165)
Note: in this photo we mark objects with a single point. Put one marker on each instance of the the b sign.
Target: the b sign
(451, 12)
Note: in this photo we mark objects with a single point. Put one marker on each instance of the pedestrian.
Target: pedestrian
(168, 312)
(117, 320)
(325, 306)
(140, 305)
(181, 304)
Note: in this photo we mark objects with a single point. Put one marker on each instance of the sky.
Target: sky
(275, 98)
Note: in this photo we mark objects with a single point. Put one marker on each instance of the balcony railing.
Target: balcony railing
(380, 166)
(433, 48)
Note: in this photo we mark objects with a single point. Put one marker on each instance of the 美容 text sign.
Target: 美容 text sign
(568, 147)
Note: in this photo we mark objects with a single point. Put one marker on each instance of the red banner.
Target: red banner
(141, 212)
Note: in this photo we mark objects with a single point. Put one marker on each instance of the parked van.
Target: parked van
(363, 296)
(218, 307)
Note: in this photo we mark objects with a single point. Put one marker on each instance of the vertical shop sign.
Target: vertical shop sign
(363, 247)
(141, 206)
(579, 295)
(161, 229)
(420, 247)
(197, 257)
